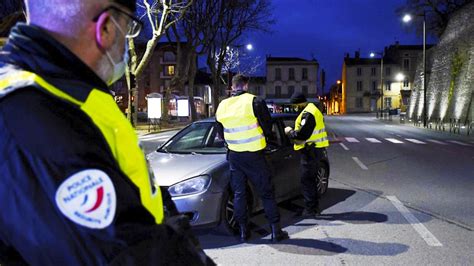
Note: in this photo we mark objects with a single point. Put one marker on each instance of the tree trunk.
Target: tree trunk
(191, 76)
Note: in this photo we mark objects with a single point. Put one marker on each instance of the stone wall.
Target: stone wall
(450, 79)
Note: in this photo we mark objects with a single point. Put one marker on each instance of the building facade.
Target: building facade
(361, 78)
(286, 75)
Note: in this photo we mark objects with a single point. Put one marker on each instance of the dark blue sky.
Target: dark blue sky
(330, 28)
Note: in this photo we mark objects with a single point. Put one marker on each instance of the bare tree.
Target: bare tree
(437, 13)
(232, 20)
(192, 40)
(161, 15)
(240, 61)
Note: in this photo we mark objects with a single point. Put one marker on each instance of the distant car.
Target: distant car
(192, 165)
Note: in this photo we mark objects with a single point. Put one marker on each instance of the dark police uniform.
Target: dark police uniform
(310, 138)
(246, 123)
(74, 185)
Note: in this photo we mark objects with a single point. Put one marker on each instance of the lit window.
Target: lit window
(170, 71)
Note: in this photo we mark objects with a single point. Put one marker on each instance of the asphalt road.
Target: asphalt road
(398, 195)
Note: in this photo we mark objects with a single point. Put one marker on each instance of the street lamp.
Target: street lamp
(400, 77)
(249, 47)
(407, 18)
(381, 54)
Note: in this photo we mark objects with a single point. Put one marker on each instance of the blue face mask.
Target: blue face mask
(119, 68)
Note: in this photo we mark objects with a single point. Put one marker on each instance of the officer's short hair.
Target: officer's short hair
(239, 80)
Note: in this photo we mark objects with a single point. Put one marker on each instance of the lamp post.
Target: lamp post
(381, 54)
(407, 18)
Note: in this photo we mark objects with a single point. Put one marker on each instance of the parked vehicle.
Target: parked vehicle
(192, 165)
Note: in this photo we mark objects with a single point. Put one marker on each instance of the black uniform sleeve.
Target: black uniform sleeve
(306, 130)
(264, 118)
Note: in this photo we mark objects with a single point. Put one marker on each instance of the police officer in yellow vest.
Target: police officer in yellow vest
(246, 125)
(74, 185)
(309, 137)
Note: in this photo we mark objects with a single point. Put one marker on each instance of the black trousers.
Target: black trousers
(251, 165)
(310, 157)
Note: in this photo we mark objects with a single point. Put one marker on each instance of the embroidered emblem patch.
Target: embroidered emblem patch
(88, 198)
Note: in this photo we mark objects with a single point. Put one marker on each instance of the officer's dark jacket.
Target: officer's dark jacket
(44, 140)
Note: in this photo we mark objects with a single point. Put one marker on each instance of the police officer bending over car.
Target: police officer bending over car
(309, 137)
(246, 125)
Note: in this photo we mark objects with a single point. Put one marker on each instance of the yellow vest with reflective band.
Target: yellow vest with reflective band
(117, 131)
(319, 135)
(241, 129)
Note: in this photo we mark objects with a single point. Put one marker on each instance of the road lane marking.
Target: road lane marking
(362, 165)
(373, 140)
(429, 238)
(344, 146)
(416, 141)
(156, 138)
(437, 141)
(351, 139)
(396, 141)
(459, 143)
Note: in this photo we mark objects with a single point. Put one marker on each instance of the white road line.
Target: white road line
(360, 163)
(429, 238)
(373, 140)
(352, 139)
(394, 140)
(155, 138)
(344, 146)
(459, 143)
(437, 141)
(416, 141)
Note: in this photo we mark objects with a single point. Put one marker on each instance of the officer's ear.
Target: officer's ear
(105, 31)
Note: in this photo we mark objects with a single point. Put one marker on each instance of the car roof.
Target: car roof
(282, 116)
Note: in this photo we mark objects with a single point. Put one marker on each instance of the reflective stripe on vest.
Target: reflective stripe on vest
(241, 129)
(117, 131)
(319, 135)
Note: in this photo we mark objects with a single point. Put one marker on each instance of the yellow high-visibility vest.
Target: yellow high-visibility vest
(241, 129)
(319, 135)
(117, 131)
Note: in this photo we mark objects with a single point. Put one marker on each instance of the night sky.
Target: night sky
(330, 28)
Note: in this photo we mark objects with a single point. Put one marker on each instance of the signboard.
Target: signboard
(154, 108)
(183, 107)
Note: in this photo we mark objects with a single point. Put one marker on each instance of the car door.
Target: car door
(283, 162)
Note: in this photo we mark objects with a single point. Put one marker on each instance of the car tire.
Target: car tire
(228, 225)
(322, 179)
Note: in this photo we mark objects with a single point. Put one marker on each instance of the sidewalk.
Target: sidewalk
(395, 120)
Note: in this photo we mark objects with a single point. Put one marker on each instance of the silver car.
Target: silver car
(192, 165)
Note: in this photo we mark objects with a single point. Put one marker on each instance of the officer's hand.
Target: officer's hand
(288, 130)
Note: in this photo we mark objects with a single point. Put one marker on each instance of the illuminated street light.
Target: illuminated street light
(400, 77)
(407, 18)
(381, 54)
(338, 82)
(249, 47)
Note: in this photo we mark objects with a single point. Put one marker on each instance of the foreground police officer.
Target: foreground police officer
(246, 123)
(309, 137)
(74, 185)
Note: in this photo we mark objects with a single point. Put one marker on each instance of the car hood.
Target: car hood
(171, 168)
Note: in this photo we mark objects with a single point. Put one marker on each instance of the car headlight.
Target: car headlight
(191, 186)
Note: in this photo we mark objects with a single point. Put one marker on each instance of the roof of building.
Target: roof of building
(280, 59)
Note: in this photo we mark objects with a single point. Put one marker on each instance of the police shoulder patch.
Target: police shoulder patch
(88, 198)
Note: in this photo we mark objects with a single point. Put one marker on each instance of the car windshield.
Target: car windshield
(198, 137)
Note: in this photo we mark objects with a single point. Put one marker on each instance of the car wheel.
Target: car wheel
(228, 224)
(322, 179)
